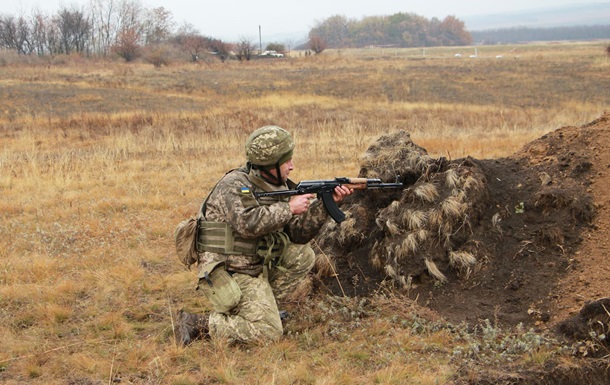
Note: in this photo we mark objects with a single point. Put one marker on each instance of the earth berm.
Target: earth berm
(516, 240)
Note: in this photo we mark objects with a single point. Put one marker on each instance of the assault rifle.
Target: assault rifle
(324, 190)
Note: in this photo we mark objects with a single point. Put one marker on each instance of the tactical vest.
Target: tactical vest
(220, 238)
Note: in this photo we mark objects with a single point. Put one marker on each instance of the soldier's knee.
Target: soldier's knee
(309, 256)
(273, 334)
(299, 257)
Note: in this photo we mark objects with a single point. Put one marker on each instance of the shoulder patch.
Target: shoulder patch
(245, 190)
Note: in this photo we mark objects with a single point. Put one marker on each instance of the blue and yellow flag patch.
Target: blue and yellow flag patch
(245, 190)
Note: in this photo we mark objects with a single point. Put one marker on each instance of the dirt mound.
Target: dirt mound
(514, 240)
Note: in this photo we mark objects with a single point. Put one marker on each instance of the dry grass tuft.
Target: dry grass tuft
(426, 192)
(453, 208)
(349, 232)
(462, 259)
(392, 228)
(414, 219)
(471, 183)
(434, 271)
(409, 245)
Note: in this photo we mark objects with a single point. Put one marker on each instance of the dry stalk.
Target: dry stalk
(434, 271)
(331, 266)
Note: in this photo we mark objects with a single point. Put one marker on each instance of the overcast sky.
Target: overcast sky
(233, 19)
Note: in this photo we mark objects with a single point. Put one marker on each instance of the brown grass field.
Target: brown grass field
(99, 161)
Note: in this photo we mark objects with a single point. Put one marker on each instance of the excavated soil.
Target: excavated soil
(522, 239)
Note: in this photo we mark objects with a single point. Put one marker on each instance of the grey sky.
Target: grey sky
(232, 19)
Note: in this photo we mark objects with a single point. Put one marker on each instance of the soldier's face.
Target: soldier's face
(285, 169)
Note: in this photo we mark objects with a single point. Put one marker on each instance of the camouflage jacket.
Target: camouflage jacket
(233, 201)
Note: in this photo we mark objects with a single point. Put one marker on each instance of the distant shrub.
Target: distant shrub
(608, 50)
(277, 47)
(317, 44)
(157, 55)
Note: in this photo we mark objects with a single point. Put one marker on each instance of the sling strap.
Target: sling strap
(272, 248)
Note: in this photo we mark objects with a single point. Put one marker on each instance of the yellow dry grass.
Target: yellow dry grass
(99, 161)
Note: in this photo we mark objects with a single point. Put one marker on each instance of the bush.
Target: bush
(157, 55)
(277, 47)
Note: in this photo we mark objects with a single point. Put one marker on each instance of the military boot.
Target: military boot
(190, 327)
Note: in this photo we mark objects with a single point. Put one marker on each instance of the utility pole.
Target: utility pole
(260, 41)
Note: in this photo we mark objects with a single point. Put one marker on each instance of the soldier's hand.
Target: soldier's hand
(341, 192)
(300, 203)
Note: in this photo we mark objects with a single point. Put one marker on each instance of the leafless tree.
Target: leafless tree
(40, 24)
(15, 34)
(114, 20)
(195, 45)
(244, 49)
(317, 44)
(25, 39)
(74, 29)
(127, 45)
(104, 15)
(220, 48)
(8, 32)
(158, 26)
(130, 15)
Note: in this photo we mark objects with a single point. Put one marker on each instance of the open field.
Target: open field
(100, 160)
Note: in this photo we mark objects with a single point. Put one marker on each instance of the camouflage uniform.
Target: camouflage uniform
(256, 317)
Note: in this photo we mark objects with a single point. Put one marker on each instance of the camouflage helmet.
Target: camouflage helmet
(269, 145)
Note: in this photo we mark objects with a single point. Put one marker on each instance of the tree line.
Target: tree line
(120, 27)
(400, 30)
(526, 34)
(128, 29)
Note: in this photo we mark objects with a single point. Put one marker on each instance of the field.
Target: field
(99, 161)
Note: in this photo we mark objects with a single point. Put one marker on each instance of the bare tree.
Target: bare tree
(104, 15)
(158, 26)
(25, 39)
(191, 41)
(316, 44)
(113, 20)
(127, 45)
(40, 32)
(17, 34)
(244, 49)
(8, 33)
(129, 15)
(74, 29)
(220, 48)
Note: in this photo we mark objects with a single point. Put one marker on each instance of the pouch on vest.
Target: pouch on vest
(271, 248)
(219, 288)
(185, 236)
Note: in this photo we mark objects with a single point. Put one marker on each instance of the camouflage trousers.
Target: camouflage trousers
(256, 318)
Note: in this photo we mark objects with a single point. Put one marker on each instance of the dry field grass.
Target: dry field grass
(100, 160)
